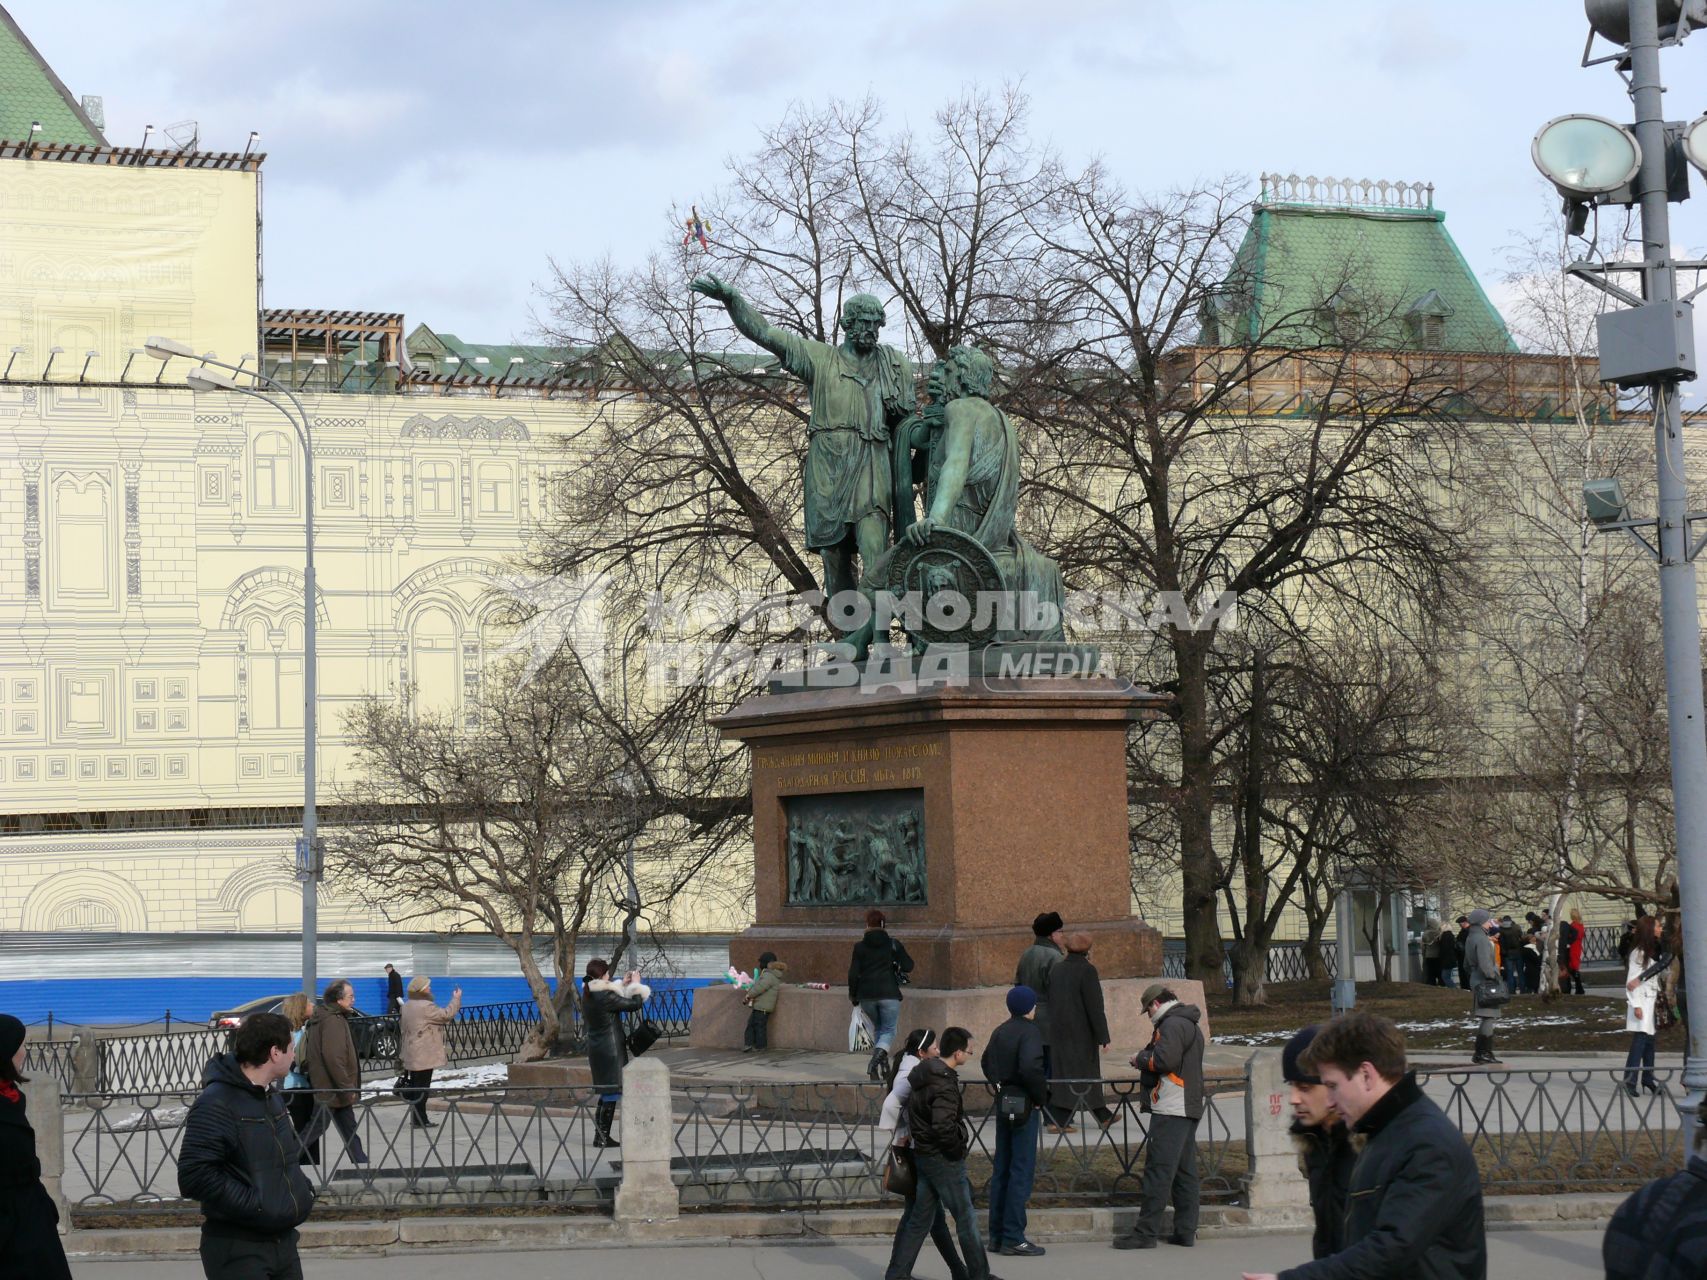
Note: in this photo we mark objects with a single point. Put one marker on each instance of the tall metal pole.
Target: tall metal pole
(1678, 609)
(1345, 945)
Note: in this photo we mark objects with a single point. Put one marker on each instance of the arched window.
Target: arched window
(84, 915)
(274, 487)
(435, 489)
(273, 654)
(435, 668)
(273, 908)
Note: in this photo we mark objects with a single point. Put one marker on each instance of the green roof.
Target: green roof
(1316, 274)
(30, 92)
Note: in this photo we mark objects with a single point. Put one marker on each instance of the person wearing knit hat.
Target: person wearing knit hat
(1013, 1065)
(1036, 963)
(29, 1223)
(1325, 1153)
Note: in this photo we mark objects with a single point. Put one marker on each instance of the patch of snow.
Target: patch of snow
(486, 1076)
(158, 1118)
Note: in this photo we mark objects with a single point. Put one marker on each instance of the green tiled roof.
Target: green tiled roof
(29, 91)
(1298, 262)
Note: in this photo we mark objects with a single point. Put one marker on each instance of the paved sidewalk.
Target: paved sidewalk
(1513, 1255)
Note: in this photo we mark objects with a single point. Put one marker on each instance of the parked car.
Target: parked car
(376, 1035)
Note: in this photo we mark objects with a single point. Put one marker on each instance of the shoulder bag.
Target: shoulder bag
(1490, 992)
(642, 1038)
(900, 1174)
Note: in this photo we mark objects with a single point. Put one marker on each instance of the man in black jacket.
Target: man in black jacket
(239, 1158)
(1013, 1064)
(1660, 1233)
(941, 1140)
(1324, 1145)
(1170, 1072)
(1414, 1210)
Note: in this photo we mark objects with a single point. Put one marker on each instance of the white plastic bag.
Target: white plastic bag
(861, 1034)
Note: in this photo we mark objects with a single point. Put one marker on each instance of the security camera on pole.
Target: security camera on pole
(1650, 343)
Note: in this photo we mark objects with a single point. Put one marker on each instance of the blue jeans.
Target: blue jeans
(1010, 1179)
(942, 1185)
(885, 1016)
(941, 1237)
(1641, 1057)
(1513, 973)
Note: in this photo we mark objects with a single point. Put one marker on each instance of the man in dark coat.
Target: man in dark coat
(1013, 1065)
(1660, 1233)
(1078, 1033)
(1324, 1145)
(1414, 1211)
(603, 1003)
(1036, 963)
(936, 1118)
(1511, 954)
(29, 1220)
(239, 1158)
(393, 990)
(1463, 945)
(1171, 1075)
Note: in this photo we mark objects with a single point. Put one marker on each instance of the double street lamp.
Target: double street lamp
(217, 375)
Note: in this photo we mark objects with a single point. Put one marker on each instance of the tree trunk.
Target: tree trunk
(1200, 871)
(544, 1035)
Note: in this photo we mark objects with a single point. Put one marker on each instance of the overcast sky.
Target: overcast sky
(428, 157)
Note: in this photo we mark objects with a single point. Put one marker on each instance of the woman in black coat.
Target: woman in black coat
(29, 1223)
(1078, 1033)
(877, 969)
(602, 1005)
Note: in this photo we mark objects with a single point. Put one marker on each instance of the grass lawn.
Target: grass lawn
(1436, 1019)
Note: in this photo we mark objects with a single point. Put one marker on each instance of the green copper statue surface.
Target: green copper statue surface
(859, 390)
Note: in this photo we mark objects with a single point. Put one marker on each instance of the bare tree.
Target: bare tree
(520, 826)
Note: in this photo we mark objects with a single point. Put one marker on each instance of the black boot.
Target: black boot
(1481, 1054)
(1488, 1053)
(878, 1068)
(602, 1121)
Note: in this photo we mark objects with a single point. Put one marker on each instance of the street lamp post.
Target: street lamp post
(1650, 344)
(310, 848)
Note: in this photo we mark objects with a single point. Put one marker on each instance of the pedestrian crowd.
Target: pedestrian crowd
(1392, 1183)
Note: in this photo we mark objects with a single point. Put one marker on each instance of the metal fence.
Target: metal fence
(53, 1058)
(817, 1144)
(1285, 961)
(484, 1147)
(1568, 1130)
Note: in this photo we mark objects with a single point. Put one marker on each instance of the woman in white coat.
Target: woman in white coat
(1647, 965)
(920, 1045)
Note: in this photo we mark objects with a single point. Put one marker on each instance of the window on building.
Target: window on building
(435, 489)
(273, 654)
(497, 489)
(435, 661)
(274, 488)
(81, 547)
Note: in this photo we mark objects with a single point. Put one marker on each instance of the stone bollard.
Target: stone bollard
(47, 1118)
(647, 1193)
(1275, 1188)
(85, 1062)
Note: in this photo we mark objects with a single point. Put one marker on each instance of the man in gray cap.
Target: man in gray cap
(1325, 1153)
(1170, 1073)
(1486, 986)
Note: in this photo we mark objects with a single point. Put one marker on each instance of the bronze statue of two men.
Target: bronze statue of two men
(870, 442)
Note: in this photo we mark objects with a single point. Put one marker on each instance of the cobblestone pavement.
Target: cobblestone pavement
(1513, 1255)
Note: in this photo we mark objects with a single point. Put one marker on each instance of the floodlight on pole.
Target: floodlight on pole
(1605, 502)
(1610, 19)
(1585, 156)
(1694, 143)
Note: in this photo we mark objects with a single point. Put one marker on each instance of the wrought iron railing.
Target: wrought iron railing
(1285, 961)
(814, 1144)
(53, 1058)
(484, 1147)
(1568, 1130)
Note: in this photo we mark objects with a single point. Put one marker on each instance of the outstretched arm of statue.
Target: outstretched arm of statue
(951, 479)
(746, 317)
